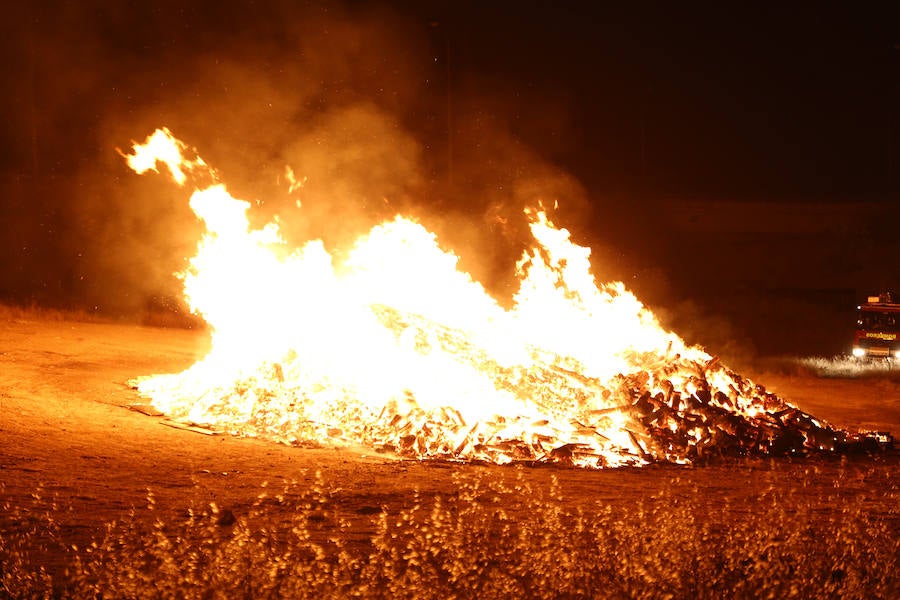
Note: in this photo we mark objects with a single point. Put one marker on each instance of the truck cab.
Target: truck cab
(877, 328)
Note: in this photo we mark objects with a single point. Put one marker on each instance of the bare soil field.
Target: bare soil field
(68, 442)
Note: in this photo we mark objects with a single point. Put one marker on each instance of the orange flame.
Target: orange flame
(396, 348)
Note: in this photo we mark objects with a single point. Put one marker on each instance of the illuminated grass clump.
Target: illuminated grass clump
(496, 537)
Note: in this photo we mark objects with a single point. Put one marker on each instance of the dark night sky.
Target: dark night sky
(736, 164)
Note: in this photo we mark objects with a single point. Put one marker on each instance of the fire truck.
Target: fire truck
(878, 328)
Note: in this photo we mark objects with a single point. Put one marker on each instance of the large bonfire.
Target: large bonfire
(395, 349)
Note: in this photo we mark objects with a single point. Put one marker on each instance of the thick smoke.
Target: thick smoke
(359, 104)
(460, 115)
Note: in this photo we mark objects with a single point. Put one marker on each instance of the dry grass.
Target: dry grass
(823, 367)
(498, 536)
(152, 316)
(35, 312)
(850, 367)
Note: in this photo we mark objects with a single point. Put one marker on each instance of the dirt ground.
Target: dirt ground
(65, 430)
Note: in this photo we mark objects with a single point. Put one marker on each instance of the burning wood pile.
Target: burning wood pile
(395, 349)
(677, 410)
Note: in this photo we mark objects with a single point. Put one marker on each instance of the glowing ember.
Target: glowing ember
(395, 348)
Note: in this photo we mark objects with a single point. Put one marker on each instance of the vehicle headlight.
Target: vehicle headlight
(858, 352)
